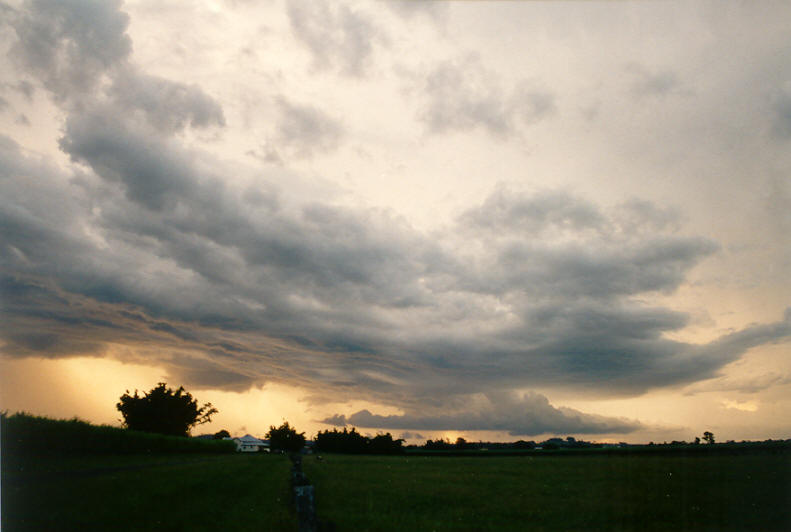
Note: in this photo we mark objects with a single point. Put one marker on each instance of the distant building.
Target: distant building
(250, 444)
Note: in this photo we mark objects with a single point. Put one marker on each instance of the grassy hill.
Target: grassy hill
(23, 434)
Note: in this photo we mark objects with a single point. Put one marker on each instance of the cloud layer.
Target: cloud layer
(231, 276)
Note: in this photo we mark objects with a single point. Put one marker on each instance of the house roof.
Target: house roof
(250, 440)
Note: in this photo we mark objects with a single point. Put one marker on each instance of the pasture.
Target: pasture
(748, 491)
(147, 492)
(172, 486)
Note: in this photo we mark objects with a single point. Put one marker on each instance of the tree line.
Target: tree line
(352, 442)
(163, 410)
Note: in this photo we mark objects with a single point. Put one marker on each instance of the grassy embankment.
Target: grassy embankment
(747, 491)
(69, 475)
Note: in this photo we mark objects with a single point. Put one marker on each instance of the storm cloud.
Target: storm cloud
(230, 276)
(69, 46)
(363, 299)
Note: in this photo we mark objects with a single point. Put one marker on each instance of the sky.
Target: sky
(498, 220)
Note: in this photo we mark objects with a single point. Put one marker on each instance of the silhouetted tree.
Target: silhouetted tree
(163, 411)
(522, 444)
(384, 444)
(346, 441)
(285, 438)
(351, 441)
(708, 437)
(438, 445)
(461, 443)
(221, 434)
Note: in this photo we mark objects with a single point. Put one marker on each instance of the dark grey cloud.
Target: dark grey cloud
(503, 211)
(531, 104)
(79, 51)
(731, 346)
(782, 112)
(337, 36)
(336, 420)
(211, 374)
(167, 105)
(642, 216)
(645, 83)
(126, 152)
(69, 45)
(26, 88)
(463, 95)
(304, 130)
(462, 98)
(529, 414)
(23, 87)
(410, 9)
(553, 243)
(349, 300)
(741, 384)
(145, 243)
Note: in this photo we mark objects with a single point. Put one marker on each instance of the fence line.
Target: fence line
(304, 497)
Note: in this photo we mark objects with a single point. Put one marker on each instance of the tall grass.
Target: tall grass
(24, 434)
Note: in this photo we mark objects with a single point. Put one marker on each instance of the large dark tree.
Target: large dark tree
(285, 438)
(221, 434)
(164, 411)
(385, 444)
(341, 442)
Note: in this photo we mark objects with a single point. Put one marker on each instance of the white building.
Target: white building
(251, 444)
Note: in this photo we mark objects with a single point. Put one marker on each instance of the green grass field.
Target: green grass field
(243, 492)
(631, 492)
(149, 492)
(68, 475)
